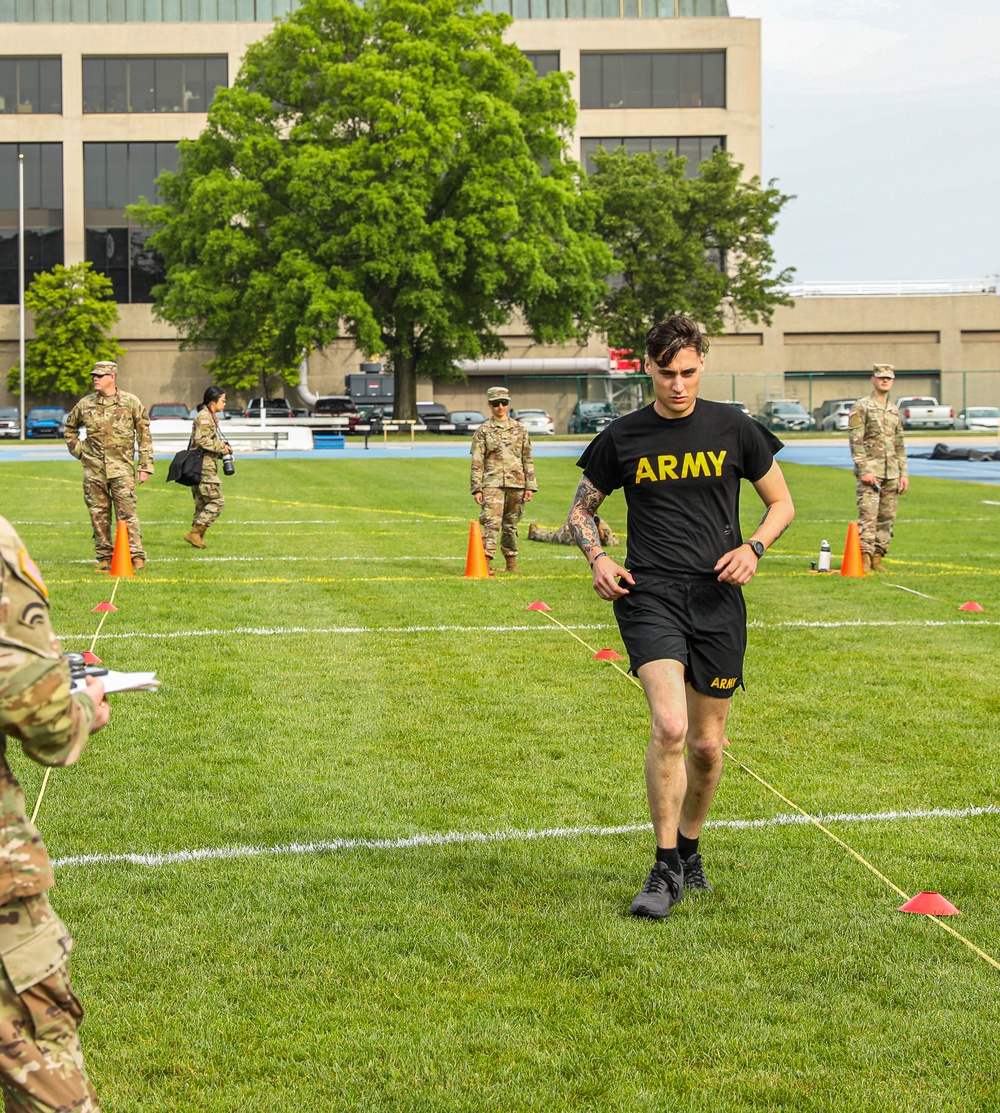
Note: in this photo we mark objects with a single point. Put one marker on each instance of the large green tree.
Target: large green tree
(694, 245)
(73, 308)
(394, 170)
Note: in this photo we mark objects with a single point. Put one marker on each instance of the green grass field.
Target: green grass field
(335, 694)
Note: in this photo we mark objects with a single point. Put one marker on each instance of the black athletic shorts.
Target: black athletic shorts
(701, 623)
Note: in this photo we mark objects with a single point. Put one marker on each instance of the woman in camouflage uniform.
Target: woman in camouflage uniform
(208, 500)
(502, 477)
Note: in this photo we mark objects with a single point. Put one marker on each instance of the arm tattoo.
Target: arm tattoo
(764, 519)
(581, 516)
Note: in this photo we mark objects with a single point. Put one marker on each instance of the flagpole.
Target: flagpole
(20, 279)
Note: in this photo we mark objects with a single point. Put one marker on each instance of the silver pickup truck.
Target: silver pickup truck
(925, 413)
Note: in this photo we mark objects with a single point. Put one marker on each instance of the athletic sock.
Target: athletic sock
(686, 847)
(670, 856)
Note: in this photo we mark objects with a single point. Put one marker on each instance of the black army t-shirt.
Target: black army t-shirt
(681, 479)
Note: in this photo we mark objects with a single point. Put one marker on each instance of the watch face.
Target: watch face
(758, 548)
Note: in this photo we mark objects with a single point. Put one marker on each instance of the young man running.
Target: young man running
(679, 603)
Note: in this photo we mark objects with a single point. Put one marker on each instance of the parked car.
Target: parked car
(466, 422)
(273, 407)
(592, 417)
(922, 412)
(830, 406)
(741, 406)
(10, 421)
(535, 421)
(168, 409)
(836, 420)
(45, 421)
(338, 405)
(430, 414)
(787, 415)
(983, 418)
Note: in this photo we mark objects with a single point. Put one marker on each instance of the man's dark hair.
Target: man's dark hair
(665, 340)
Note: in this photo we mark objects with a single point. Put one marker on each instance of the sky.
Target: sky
(883, 118)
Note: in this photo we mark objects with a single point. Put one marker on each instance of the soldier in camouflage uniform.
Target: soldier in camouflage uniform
(41, 1061)
(503, 476)
(564, 535)
(114, 422)
(875, 429)
(208, 500)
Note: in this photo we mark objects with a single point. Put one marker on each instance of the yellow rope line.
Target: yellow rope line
(791, 803)
(48, 769)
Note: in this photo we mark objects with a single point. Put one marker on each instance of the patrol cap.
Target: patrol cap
(498, 394)
(104, 367)
(884, 371)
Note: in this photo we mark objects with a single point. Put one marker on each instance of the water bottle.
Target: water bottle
(824, 557)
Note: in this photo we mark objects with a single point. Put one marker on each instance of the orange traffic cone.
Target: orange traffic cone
(852, 565)
(121, 560)
(476, 566)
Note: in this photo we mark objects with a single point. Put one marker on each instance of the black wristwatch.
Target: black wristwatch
(758, 548)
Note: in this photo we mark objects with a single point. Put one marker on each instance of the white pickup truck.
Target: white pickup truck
(925, 413)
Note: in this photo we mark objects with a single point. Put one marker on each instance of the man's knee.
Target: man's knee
(668, 731)
(705, 751)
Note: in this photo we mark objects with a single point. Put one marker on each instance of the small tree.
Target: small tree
(698, 246)
(73, 309)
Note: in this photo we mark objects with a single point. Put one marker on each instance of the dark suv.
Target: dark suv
(338, 405)
(432, 415)
(786, 414)
(273, 407)
(592, 417)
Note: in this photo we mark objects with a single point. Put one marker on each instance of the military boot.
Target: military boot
(877, 561)
(531, 531)
(866, 563)
(195, 537)
(511, 559)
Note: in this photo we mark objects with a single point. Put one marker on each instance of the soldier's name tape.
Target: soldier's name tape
(452, 838)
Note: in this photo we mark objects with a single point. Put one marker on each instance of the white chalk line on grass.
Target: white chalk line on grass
(270, 632)
(453, 838)
(288, 631)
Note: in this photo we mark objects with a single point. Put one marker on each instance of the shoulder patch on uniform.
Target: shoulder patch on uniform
(30, 570)
(854, 419)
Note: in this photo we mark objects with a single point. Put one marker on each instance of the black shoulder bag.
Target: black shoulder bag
(185, 467)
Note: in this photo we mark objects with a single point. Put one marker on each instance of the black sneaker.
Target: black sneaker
(661, 892)
(695, 880)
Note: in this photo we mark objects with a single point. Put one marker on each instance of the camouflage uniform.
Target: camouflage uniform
(502, 469)
(108, 454)
(875, 429)
(564, 535)
(41, 1061)
(208, 500)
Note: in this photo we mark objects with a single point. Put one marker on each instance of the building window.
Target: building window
(43, 213)
(544, 63)
(606, 9)
(152, 84)
(116, 175)
(666, 79)
(145, 11)
(30, 85)
(695, 148)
